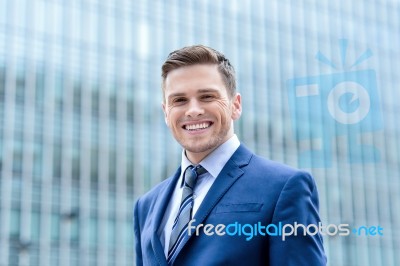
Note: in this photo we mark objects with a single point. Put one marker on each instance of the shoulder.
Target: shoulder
(147, 201)
(152, 195)
(244, 157)
(260, 167)
(290, 182)
(275, 168)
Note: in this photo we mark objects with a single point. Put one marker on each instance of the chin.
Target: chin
(203, 147)
(196, 149)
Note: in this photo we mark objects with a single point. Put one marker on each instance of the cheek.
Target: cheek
(224, 110)
(172, 116)
(222, 106)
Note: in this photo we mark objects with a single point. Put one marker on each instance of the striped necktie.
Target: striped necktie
(179, 228)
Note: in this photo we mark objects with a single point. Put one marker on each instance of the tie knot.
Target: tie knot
(191, 175)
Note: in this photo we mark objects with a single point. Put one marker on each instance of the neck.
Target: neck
(197, 157)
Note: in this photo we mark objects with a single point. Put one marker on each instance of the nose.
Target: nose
(194, 109)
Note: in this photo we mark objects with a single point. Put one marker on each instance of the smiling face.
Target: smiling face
(198, 110)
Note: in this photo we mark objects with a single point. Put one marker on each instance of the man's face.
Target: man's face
(198, 110)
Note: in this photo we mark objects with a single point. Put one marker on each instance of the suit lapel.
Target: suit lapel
(160, 207)
(228, 176)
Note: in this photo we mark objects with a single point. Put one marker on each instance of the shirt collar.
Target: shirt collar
(216, 160)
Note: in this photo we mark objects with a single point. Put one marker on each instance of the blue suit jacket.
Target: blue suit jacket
(248, 190)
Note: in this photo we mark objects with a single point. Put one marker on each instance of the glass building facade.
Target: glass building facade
(82, 133)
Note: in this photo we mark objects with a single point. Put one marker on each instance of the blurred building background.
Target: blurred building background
(82, 134)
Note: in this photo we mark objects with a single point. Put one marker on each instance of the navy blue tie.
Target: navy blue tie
(180, 226)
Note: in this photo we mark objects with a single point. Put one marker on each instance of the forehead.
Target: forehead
(192, 78)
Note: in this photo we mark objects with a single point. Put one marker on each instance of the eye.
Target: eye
(207, 97)
(179, 100)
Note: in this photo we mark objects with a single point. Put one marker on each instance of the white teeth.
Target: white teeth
(197, 126)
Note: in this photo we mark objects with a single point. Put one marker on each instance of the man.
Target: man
(206, 213)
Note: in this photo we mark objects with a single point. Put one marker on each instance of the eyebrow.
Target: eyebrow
(208, 90)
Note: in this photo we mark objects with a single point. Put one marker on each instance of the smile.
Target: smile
(198, 126)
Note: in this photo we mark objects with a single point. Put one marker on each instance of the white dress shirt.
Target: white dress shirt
(213, 163)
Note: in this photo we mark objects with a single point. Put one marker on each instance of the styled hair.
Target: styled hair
(200, 54)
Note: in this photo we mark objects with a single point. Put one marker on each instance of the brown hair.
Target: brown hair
(200, 54)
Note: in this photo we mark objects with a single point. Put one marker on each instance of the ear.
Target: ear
(236, 106)
(165, 113)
